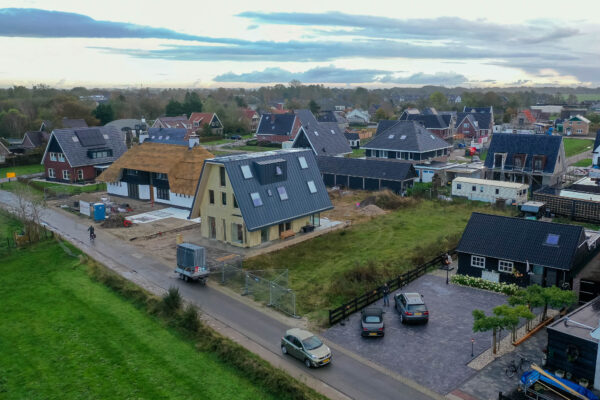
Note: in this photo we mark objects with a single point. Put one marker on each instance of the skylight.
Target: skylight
(256, 200)
(282, 193)
(552, 239)
(391, 137)
(246, 171)
(402, 137)
(303, 163)
(316, 133)
(332, 132)
(433, 137)
(311, 186)
(278, 171)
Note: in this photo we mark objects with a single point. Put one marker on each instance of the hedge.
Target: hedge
(479, 283)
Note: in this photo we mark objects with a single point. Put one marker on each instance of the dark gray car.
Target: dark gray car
(371, 322)
(411, 307)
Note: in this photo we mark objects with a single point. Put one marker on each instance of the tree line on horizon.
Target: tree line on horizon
(23, 108)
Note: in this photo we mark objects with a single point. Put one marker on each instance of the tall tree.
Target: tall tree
(192, 103)
(314, 107)
(438, 100)
(174, 108)
(104, 113)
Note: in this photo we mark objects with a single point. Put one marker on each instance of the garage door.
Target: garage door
(491, 276)
(371, 184)
(341, 180)
(329, 179)
(356, 183)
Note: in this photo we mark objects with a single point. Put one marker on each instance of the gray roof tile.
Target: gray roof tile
(325, 138)
(407, 136)
(77, 154)
(367, 168)
(531, 145)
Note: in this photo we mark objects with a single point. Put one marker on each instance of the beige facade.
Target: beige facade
(222, 219)
(489, 190)
(576, 126)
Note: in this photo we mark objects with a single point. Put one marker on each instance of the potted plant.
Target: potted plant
(559, 373)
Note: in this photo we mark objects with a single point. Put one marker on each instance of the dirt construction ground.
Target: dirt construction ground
(346, 209)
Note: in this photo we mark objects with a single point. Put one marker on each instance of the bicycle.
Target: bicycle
(513, 367)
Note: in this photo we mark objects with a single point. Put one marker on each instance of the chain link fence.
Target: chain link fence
(269, 287)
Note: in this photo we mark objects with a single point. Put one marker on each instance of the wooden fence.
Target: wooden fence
(358, 303)
(575, 209)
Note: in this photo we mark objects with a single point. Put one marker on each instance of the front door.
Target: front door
(264, 235)
(491, 276)
(224, 231)
(537, 275)
(212, 228)
(550, 277)
(133, 190)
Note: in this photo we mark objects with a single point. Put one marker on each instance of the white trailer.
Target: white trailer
(489, 190)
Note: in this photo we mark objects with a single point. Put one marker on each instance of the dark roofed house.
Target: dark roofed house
(31, 141)
(79, 155)
(408, 140)
(353, 139)
(249, 199)
(473, 125)
(440, 125)
(522, 251)
(384, 124)
(4, 152)
(167, 135)
(278, 128)
(73, 123)
(333, 116)
(179, 121)
(367, 174)
(537, 160)
(324, 138)
(482, 110)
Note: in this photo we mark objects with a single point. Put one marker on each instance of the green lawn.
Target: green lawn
(22, 170)
(357, 153)
(7, 227)
(575, 146)
(483, 155)
(65, 336)
(586, 162)
(54, 188)
(333, 268)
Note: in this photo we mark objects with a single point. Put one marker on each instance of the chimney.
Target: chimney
(194, 140)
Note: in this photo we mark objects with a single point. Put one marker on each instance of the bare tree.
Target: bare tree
(28, 209)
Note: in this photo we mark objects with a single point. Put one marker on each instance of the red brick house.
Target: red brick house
(198, 120)
(79, 155)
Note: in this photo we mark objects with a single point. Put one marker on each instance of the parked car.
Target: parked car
(305, 347)
(411, 307)
(236, 137)
(371, 322)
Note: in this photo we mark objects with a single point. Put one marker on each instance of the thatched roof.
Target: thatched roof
(181, 164)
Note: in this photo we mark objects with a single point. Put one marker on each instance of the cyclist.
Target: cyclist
(92, 234)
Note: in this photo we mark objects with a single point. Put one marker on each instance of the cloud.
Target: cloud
(442, 28)
(328, 74)
(32, 22)
(420, 78)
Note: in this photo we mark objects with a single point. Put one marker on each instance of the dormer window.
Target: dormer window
(539, 162)
(499, 159)
(519, 161)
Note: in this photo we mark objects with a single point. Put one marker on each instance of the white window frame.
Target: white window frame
(61, 157)
(51, 173)
(507, 267)
(477, 261)
(312, 188)
(52, 156)
(80, 174)
(66, 174)
(302, 161)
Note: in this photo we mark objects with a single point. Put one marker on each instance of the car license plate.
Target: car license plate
(373, 334)
(418, 314)
(325, 361)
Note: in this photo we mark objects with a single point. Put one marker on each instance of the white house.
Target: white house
(159, 172)
(489, 190)
(358, 116)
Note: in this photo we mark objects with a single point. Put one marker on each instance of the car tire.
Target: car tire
(284, 350)
(307, 363)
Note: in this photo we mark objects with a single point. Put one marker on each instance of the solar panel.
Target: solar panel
(90, 137)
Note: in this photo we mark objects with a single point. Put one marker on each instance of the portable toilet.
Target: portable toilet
(99, 211)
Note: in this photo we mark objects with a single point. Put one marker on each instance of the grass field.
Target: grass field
(22, 170)
(39, 187)
(357, 153)
(586, 162)
(576, 146)
(331, 269)
(67, 337)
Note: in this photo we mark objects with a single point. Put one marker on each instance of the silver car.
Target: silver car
(411, 307)
(371, 322)
(306, 347)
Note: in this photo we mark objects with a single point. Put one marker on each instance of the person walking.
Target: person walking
(386, 295)
(92, 234)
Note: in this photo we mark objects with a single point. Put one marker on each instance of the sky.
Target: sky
(210, 44)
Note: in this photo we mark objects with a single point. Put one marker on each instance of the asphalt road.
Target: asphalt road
(347, 374)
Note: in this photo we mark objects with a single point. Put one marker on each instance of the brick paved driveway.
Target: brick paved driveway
(435, 355)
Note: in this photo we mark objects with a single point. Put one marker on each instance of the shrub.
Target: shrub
(171, 301)
(420, 190)
(389, 200)
(189, 319)
(252, 142)
(479, 283)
